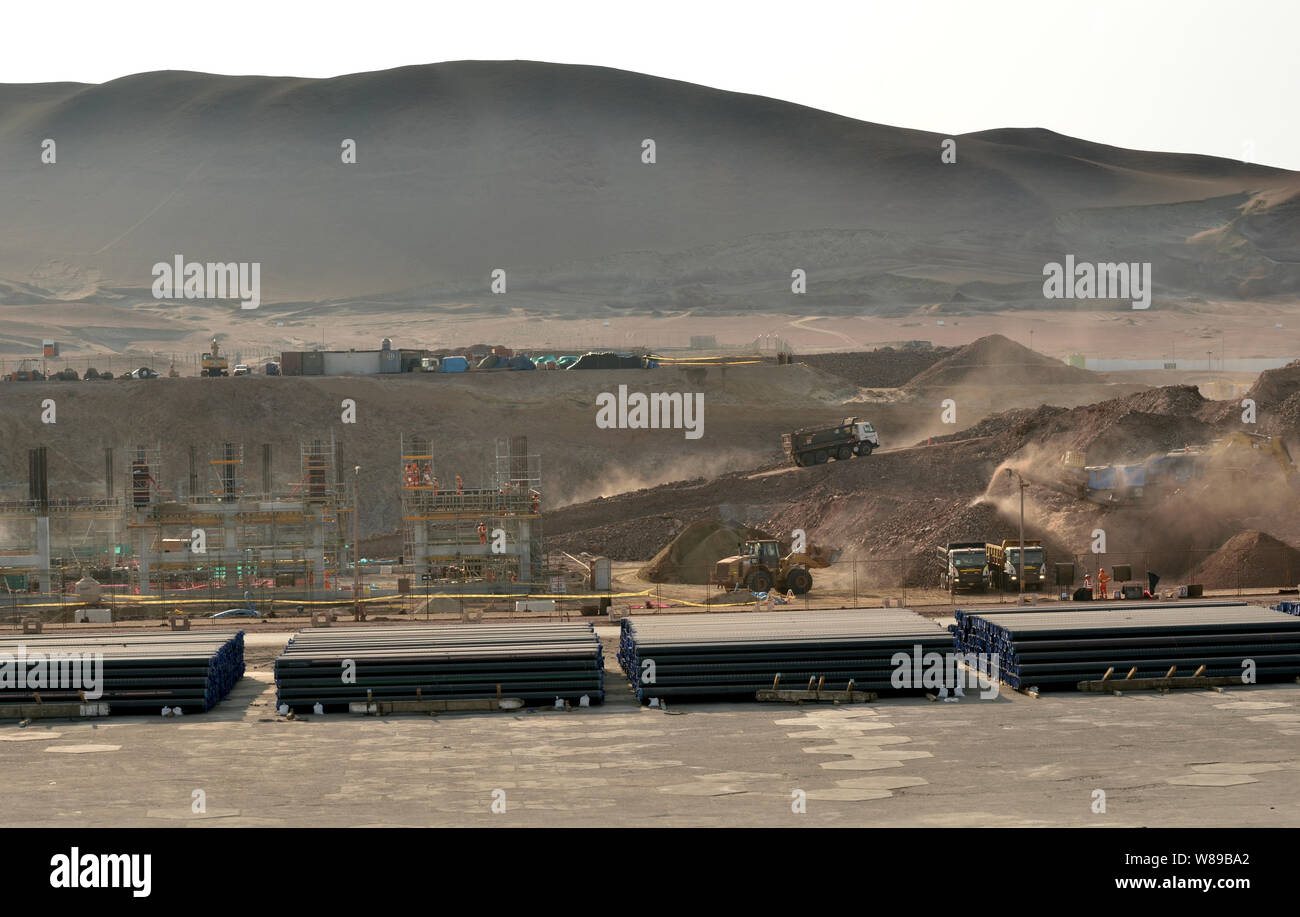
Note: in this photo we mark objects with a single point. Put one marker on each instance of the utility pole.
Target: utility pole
(1020, 573)
(358, 611)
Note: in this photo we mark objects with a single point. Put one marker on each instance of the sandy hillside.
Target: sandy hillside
(536, 168)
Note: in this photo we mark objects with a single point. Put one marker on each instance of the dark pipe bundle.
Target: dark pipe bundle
(1291, 608)
(536, 662)
(132, 673)
(1059, 646)
(735, 655)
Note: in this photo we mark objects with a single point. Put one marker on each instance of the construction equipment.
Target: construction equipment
(817, 445)
(214, 364)
(760, 567)
(1241, 452)
(965, 566)
(1005, 566)
(26, 372)
(1108, 485)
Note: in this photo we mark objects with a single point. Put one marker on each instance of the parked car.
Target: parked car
(143, 372)
(237, 613)
(241, 369)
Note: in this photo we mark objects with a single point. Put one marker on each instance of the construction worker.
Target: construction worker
(426, 474)
(482, 533)
(536, 499)
(411, 474)
(1102, 582)
(435, 485)
(1087, 581)
(460, 485)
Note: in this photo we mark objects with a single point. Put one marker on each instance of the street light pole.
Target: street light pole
(357, 613)
(1020, 573)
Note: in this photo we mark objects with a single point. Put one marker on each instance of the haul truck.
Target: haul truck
(817, 445)
(965, 566)
(1005, 567)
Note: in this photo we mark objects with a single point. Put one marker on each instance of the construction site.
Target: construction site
(1124, 551)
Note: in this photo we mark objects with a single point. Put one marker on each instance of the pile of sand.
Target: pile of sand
(1125, 429)
(1250, 559)
(690, 557)
(998, 360)
(881, 368)
(1276, 385)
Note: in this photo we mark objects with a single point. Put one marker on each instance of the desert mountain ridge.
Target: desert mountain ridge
(536, 168)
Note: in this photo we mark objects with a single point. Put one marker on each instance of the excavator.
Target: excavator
(214, 364)
(760, 567)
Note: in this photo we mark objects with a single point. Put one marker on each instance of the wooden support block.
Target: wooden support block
(1115, 685)
(59, 710)
(467, 705)
(773, 695)
(33, 625)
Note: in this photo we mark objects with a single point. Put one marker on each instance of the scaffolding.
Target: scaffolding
(229, 537)
(487, 533)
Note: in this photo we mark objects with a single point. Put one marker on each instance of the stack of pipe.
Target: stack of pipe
(735, 655)
(534, 662)
(1291, 608)
(131, 672)
(1059, 646)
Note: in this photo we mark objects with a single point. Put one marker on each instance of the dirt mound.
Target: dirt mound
(1284, 420)
(1125, 429)
(998, 360)
(1250, 559)
(689, 558)
(631, 540)
(1275, 386)
(881, 368)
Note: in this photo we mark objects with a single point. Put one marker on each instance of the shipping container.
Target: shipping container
(390, 361)
(313, 363)
(351, 362)
(291, 363)
(453, 365)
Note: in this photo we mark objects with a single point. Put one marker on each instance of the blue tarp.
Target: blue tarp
(453, 365)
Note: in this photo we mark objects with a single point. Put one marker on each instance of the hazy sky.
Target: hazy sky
(1177, 75)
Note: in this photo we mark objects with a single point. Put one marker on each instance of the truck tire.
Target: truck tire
(844, 454)
(798, 580)
(864, 449)
(822, 456)
(758, 581)
(798, 460)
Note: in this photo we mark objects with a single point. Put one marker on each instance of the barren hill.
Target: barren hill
(537, 168)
